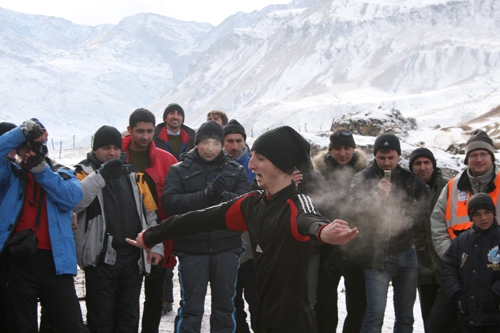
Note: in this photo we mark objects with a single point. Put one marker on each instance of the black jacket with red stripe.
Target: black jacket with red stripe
(282, 230)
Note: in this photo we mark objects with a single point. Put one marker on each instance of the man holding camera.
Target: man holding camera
(390, 201)
(116, 203)
(36, 238)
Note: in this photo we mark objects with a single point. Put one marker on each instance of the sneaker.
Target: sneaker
(167, 307)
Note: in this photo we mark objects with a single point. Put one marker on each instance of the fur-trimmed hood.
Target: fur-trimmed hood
(320, 163)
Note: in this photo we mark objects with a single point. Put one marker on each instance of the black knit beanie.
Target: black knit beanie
(284, 147)
(387, 140)
(422, 152)
(341, 137)
(233, 126)
(172, 107)
(5, 127)
(480, 201)
(479, 140)
(209, 129)
(106, 136)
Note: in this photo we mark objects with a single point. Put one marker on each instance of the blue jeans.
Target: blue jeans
(402, 269)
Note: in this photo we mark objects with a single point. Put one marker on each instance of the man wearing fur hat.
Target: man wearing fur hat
(206, 176)
(116, 203)
(449, 217)
(389, 202)
(283, 224)
(338, 164)
(423, 164)
(172, 135)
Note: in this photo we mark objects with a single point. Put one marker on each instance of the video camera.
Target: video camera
(38, 148)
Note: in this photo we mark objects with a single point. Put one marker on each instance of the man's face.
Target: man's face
(234, 144)
(387, 161)
(479, 162)
(216, 118)
(106, 153)
(142, 135)
(342, 154)
(209, 149)
(423, 168)
(174, 120)
(483, 218)
(266, 173)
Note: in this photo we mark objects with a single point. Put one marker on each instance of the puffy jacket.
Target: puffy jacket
(471, 275)
(385, 226)
(91, 232)
(444, 219)
(184, 192)
(63, 192)
(161, 139)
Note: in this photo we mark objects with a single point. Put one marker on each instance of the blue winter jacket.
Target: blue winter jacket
(243, 160)
(63, 192)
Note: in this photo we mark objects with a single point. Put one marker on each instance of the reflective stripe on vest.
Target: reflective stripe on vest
(457, 219)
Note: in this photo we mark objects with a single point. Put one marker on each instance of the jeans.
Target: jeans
(402, 269)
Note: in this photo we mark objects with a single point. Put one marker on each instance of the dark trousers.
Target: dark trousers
(326, 302)
(427, 295)
(246, 285)
(113, 296)
(195, 271)
(35, 277)
(168, 285)
(443, 317)
(3, 292)
(153, 292)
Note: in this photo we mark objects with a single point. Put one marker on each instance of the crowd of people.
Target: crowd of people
(269, 225)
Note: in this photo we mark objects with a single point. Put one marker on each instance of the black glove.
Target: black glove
(32, 130)
(215, 189)
(36, 163)
(108, 169)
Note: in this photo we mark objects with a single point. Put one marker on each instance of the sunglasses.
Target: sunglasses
(343, 133)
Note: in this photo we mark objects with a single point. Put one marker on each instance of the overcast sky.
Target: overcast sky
(94, 12)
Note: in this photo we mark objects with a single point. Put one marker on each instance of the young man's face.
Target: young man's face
(423, 168)
(106, 153)
(173, 120)
(342, 154)
(142, 135)
(234, 144)
(483, 219)
(479, 162)
(209, 149)
(216, 118)
(266, 173)
(387, 161)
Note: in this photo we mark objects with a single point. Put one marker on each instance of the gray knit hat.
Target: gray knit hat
(479, 140)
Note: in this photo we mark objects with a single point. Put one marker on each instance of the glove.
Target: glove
(32, 130)
(214, 190)
(36, 163)
(107, 169)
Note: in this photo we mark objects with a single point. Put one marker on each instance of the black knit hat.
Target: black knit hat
(209, 129)
(422, 152)
(479, 140)
(387, 140)
(341, 137)
(284, 147)
(106, 136)
(480, 201)
(233, 126)
(172, 107)
(5, 127)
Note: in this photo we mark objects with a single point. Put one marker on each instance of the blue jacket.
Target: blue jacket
(243, 160)
(63, 192)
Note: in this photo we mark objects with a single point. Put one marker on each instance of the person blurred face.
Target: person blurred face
(209, 149)
(142, 135)
(216, 118)
(483, 218)
(423, 168)
(479, 162)
(387, 161)
(106, 153)
(234, 144)
(174, 120)
(342, 154)
(266, 173)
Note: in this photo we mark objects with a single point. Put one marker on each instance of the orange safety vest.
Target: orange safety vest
(457, 218)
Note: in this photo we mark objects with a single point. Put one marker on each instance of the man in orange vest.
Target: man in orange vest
(450, 217)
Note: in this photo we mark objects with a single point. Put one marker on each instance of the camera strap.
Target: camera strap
(39, 209)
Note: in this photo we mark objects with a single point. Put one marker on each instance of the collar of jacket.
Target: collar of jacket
(285, 192)
(464, 181)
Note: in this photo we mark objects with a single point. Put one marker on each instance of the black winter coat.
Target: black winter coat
(184, 192)
(471, 275)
